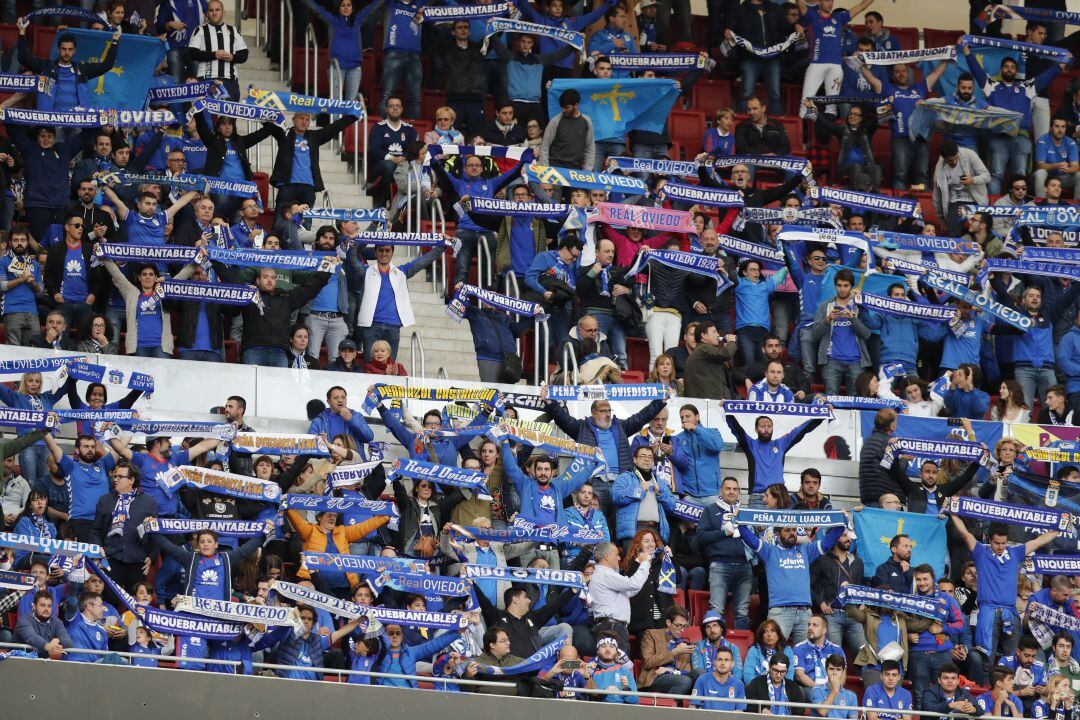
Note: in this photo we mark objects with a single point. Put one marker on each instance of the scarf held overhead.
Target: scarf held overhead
(1010, 514)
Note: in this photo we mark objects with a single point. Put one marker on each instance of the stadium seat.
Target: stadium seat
(318, 70)
(688, 128)
(262, 179)
(741, 639)
(908, 37)
(709, 96)
(940, 38)
(698, 604)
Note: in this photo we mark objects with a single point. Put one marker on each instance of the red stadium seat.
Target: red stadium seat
(688, 127)
(263, 181)
(430, 101)
(709, 96)
(908, 37)
(637, 355)
(318, 69)
(940, 38)
(41, 39)
(633, 376)
(698, 602)
(741, 639)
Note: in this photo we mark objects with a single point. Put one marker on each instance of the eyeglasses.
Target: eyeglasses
(442, 118)
(75, 225)
(118, 476)
(679, 626)
(817, 258)
(1019, 187)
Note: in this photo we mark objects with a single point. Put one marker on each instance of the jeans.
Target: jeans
(33, 463)
(845, 632)
(201, 355)
(1008, 156)
(76, 313)
(552, 632)
(383, 173)
(1040, 120)
(671, 683)
(606, 149)
(911, 162)
(923, 668)
(784, 308)
(662, 329)
(21, 327)
(333, 329)
(749, 340)
(179, 64)
(470, 117)
(379, 331)
(265, 357)
(7, 12)
(470, 241)
(792, 621)
(808, 349)
(402, 68)
(117, 317)
(768, 70)
(1074, 403)
(350, 83)
(862, 176)
(602, 491)
(616, 336)
(835, 372)
(292, 192)
(736, 578)
(1034, 379)
(152, 352)
(1000, 645)
(490, 370)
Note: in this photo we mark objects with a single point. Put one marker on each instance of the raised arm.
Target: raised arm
(1045, 539)
(170, 212)
(121, 209)
(969, 540)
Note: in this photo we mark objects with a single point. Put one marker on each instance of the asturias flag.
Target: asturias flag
(876, 528)
(125, 86)
(618, 105)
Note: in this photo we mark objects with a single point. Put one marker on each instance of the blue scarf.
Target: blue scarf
(519, 153)
(906, 308)
(661, 62)
(200, 183)
(73, 13)
(491, 206)
(799, 166)
(464, 295)
(121, 513)
(25, 419)
(385, 615)
(1054, 564)
(791, 518)
(186, 92)
(953, 449)
(1051, 255)
(368, 215)
(1059, 216)
(569, 177)
(554, 446)
(682, 168)
(277, 259)
(69, 118)
(748, 407)
(537, 661)
(220, 293)
(1008, 513)
(241, 111)
(25, 83)
(433, 587)
(256, 443)
(788, 215)
(1061, 270)
(850, 402)
(957, 290)
(924, 243)
(923, 268)
(687, 510)
(293, 102)
(363, 564)
(687, 262)
(227, 528)
(120, 252)
(1058, 55)
(472, 480)
(922, 605)
(699, 195)
(1045, 14)
(10, 580)
(451, 14)
(397, 239)
(244, 487)
(665, 582)
(900, 207)
(49, 546)
(737, 41)
(488, 397)
(170, 428)
(903, 57)
(524, 531)
(495, 26)
(109, 376)
(535, 576)
(95, 416)
(39, 365)
(745, 248)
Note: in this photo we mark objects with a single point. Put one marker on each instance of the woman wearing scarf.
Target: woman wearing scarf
(226, 156)
(33, 524)
(768, 640)
(298, 356)
(29, 396)
(444, 132)
(382, 362)
(422, 516)
(97, 398)
(149, 327)
(647, 608)
(96, 337)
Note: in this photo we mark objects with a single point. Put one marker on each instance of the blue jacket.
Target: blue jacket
(752, 300)
(701, 660)
(972, 405)
(1035, 347)
(963, 349)
(696, 455)
(714, 542)
(757, 663)
(300, 652)
(529, 490)
(446, 448)
(543, 263)
(627, 495)
(765, 460)
(491, 333)
(87, 637)
(609, 677)
(899, 336)
(331, 424)
(25, 526)
(345, 44)
(479, 187)
(578, 24)
(584, 432)
(403, 661)
(1015, 96)
(21, 401)
(400, 33)
(1068, 359)
(46, 171)
(575, 519)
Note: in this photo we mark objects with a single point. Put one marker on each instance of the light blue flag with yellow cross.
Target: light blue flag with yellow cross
(875, 528)
(619, 105)
(125, 86)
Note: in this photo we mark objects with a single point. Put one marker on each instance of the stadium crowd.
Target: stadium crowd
(913, 288)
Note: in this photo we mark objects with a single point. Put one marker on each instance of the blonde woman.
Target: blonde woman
(30, 396)
(663, 372)
(444, 132)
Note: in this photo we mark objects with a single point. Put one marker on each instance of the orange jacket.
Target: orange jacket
(315, 538)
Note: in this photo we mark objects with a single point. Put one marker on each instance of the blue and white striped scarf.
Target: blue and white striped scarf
(534, 576)
(495, 26)
(530, 665)
(1025, 266)
(901, 207)
(910, 267)
(746, 248)
(294, 103)
(244, 487)
(1051, 255)
(492, 206)
(38, 365)
(517, 153)
(851, 402)
(569, 177)
(750, 407)
(186, 92)
(924, 606)
(1055, 54)
(523, 531)
(472, 480)
(683, 168)
(1013, 317)
(464, 295)
(924, 243)
(50, 546)
(661, 62)
(368, 215)
(352, 611)
(453, 13)
(241, 111)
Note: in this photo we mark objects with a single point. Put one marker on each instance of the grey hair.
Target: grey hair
(602, 550)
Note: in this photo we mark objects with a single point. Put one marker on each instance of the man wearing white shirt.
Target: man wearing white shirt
(611, 591)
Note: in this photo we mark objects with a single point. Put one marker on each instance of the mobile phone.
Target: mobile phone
(571, 664)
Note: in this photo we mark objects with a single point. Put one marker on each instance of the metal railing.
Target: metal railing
(488, 683)
(285, 43)
(417, 344)
(311, 43)
(569, 363)
(483, 266)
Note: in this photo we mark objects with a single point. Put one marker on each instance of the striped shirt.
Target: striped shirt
(212, 38)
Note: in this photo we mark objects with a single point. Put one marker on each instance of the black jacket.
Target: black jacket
(97, 280)
(315, 137)
(874, 480)
(524, 632)
(589, 288)
(127, 547)
(495, 136)
(773, 138)
(269, 327)
(890, 575)
(794, 377)
(217, 146)
(760, 29)
(464, 68)
(758, 689)
(92, 216)
(827, 574)
(917, 497)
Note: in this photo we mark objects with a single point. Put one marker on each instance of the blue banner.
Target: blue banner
(990, 58)
(125, 87)
(937, 115)
(618, 105)
(927, 428)
(876, 528)
(570, 177)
